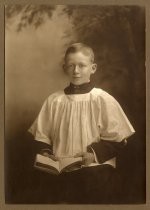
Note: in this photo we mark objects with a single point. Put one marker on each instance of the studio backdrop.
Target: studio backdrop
(36, 37)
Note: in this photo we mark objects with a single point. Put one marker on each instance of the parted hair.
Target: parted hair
(80, 47)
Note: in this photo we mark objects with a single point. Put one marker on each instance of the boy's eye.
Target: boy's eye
(81, 65)
(70, 66)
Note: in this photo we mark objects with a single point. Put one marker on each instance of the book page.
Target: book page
(47, 161)
(64, 162)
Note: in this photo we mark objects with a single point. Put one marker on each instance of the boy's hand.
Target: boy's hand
(87, 157)
(46, 154)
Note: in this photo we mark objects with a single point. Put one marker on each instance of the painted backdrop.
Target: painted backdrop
(36, 37)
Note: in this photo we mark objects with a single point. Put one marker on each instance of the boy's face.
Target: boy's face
(79, 68)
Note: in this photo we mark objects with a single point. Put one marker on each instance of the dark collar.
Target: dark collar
(78, 89)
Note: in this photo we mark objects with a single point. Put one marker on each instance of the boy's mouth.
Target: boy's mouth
(76, 76)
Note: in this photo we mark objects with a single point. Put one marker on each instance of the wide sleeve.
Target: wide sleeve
(105, 150)
(41, 127)
(113, 123)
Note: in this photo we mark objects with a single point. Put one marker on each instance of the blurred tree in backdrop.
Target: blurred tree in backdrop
(34, 15)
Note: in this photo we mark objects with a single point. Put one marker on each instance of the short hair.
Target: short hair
(80, 47)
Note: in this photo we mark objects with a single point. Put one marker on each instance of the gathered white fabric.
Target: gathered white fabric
(72, 122)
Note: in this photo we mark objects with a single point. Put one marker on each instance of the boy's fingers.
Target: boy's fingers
(45, 154)
(53, 157)
(79, 154)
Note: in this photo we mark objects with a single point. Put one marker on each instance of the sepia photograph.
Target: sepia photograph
(75, 104)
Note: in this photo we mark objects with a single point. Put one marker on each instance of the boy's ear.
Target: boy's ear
(64, 68)
(94, 68)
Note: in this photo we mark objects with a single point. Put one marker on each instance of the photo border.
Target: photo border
(146, 4)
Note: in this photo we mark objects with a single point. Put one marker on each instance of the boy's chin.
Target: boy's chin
(79, 82)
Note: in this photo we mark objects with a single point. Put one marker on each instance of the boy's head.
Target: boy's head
(79, 63)
(80, 47)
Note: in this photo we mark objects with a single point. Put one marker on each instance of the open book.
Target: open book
(55, 167)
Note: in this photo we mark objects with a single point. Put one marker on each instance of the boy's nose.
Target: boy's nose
(76, 69)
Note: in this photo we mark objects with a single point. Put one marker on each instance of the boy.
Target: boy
(83, 121)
